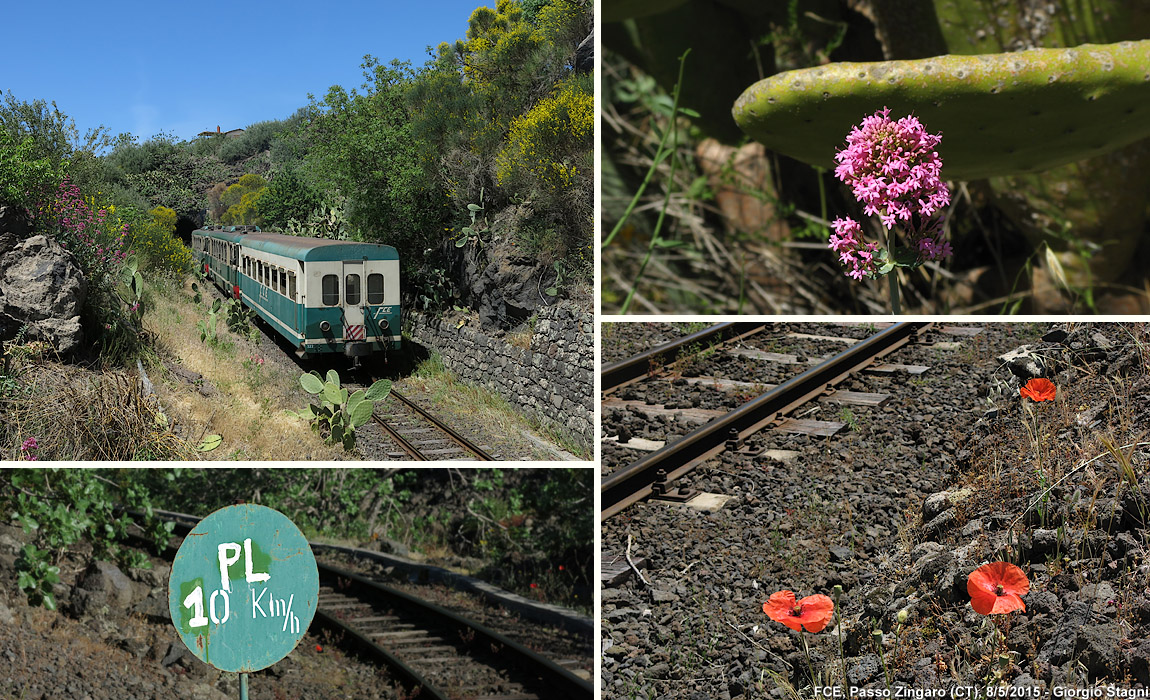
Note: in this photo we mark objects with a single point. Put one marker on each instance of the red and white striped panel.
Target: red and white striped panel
(354, 333)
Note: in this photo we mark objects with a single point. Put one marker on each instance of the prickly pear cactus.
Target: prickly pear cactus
(999, 114)
(979, 26)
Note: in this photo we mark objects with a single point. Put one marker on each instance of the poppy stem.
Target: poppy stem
(876, 636)
(807, 651)
(838, 590)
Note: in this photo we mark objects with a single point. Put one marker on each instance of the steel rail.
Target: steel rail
(403, 442)
(619, 373)
(457, 438)
(446, 429)
(554, 677)
(633, 482)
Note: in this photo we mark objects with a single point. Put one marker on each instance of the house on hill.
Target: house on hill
(230, 134)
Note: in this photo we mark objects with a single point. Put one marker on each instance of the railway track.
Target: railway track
(421, 436)
(436, 652)
(432, 651)
(807, 506)
(653, 474)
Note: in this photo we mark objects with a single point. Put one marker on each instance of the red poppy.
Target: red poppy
(997, 588)
(535, 585)
(1039, 389)
(318, 648)
(812, 612)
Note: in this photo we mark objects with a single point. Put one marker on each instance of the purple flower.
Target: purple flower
(27, 449)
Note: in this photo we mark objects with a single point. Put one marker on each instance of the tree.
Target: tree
(364, 145)
(287, 197)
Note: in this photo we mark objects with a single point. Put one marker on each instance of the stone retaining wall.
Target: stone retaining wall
(554, 381)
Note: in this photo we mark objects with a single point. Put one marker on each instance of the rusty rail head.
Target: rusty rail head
(633, 482)
(619, 373)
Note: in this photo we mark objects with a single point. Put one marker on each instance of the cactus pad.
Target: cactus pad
(999, 114)
(619, 10)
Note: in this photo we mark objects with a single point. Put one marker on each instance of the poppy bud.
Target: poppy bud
(902, 616)
(838, 590)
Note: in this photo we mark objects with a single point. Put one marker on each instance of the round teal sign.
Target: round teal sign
(243, 588)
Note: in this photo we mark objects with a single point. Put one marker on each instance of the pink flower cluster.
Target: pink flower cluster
(86, 232)
(847, 241)
(28, 449)
(894, 171)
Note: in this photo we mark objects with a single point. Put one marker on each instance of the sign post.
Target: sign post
(243, 589)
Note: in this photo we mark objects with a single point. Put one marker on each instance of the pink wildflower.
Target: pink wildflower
(28, 449)
(894, 171)
(847, 241)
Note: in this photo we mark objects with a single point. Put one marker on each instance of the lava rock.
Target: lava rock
(936, 503)
(1024, 362)
(104, 586)
(43, 288)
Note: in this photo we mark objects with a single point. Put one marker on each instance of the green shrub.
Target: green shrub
(156, 243)
(61, 508)
(287, 197)
(242, 200)
(24, 179)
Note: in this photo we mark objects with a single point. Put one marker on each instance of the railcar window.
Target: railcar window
(283, 282)
(375, 288)
(352, 291)
(330, 288)
(275, 279)
(291, 286)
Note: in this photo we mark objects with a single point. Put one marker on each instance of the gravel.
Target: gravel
(848, 511)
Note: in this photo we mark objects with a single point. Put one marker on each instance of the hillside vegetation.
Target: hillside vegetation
(481, 156)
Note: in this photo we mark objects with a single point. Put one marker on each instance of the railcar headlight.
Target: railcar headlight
(324, 326)
(383, 324)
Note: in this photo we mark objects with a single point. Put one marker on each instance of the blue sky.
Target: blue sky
(182, 68)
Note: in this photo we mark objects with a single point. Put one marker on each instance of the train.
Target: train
(323, 296)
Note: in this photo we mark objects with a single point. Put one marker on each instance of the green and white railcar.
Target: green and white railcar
(323, 296)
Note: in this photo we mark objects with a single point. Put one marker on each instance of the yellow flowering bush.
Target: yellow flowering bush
(157, 245)
(550, 146)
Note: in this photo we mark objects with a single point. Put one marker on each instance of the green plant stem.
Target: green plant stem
(659, 155)
(892, 279)
(807, 651)
(876, 636)
(670, 183)
(822, 197)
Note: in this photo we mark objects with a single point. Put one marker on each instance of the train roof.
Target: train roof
(306, 249)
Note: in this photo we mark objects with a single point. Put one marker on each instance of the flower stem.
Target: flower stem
(807, 651)
(839, 628)
(892, 279)
(876, 636)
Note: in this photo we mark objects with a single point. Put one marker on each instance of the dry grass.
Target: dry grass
(248, 406)
(77, 414)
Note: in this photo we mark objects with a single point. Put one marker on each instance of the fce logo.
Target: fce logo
(243, 588)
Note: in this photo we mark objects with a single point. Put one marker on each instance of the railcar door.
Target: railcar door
(353, 301)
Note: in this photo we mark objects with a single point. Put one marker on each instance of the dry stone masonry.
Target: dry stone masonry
(554, 381)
